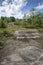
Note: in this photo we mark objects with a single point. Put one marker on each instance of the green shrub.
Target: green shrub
(2, 24)
(6, 33)
(1, 43)
(40, 30)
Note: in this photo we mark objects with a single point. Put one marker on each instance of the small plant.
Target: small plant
(2, 24)
(40, 30)
(1, 43)
(6, 33)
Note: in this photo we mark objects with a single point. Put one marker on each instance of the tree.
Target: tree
(2, 18)
(36, 21)
(32, 12)
(12, 19)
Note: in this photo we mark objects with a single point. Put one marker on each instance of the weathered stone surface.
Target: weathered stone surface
(32, 55)
(29, 55)
(22, 52)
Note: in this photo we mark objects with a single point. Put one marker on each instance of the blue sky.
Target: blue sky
(18, 8)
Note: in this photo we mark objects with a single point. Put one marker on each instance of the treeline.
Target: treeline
(5, 20)
(32, 21)
(35, 21)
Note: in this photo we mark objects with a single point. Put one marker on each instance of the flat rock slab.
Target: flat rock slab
(29, 55)
(26, 35)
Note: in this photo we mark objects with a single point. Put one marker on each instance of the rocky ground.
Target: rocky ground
(22, 52)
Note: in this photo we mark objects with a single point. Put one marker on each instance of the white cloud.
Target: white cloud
(12, 8)
(39, 7)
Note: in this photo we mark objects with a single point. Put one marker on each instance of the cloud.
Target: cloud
(39, 7)
(12, 8)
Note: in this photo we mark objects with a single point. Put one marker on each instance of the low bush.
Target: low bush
(2, 24)
(1, 43)
(7, 33)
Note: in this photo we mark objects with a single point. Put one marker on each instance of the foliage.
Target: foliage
(6, 33)
(2, 24)
(33, 21)
(1, 43)
(12, 19)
